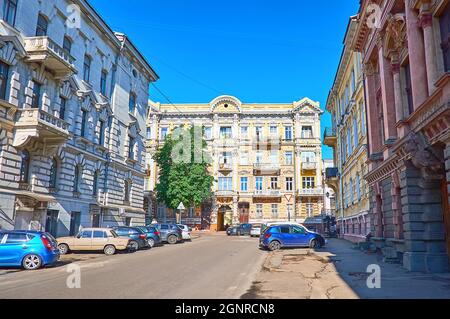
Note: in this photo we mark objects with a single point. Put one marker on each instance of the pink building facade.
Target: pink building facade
(406, 61)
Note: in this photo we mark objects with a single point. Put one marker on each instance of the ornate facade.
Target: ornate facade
(267, 160)
(348, 138)
(406, 60)
(73, 104)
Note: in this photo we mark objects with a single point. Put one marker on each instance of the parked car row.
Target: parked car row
(277, 235)
(35, 249)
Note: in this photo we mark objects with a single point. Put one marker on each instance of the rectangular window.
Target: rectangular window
(259, 211)
(408, 89)
(310, 209)
(225, 132)
(289, 184)
(83, 123)
(42, 26)
(259, 132)
(274, 210)
(274, 157)
(101, 133)
(36, 100)
(274, 183)
(308, 182)
(87, 68)
(244, 158)
(103, 78)
(259, 183)
(363, 119)
(259, 157)
(308, 157)
(355, 133)
(289, 158)
(226, 158)
(273, 130)
(208, 132)
(244, 131)
(164, 131)
(9, 13)
(62, 108)
(67, 44)
(288, 133)
(149, 133)
(244, 184)
(132, 103)
(131, 145)
(4, 73)
(444, 21)
(225, 183)
(307, 132)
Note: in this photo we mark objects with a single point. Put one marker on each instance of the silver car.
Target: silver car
(185, 231)
(256, 230)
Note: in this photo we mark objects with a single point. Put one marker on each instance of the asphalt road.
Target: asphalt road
(212, 266)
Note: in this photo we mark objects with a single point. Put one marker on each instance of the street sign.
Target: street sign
(181, 206)
(288, 197)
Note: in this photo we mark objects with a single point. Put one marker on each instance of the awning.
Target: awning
(36, 196)
(126, 208)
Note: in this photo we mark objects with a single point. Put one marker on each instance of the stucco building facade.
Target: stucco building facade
(267, 160)
(73, 105)
(406, 62)
(348, 138)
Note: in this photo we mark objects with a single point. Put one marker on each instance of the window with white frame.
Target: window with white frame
(358, 187)
(244, 131)
(288, 158)
(289, 184)
(244, 158)
(259, 211)
(244, 184)
(310, 209)
(208, 132)
(274, 210)
(225, 183)
(288, 133)
(274, 183)
(164, 132)
(258, 183)
(225, 132)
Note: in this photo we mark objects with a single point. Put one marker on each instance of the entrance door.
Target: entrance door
(244, 209)
(96, 220)
(446, 212)
(220, 221)
(75, 220)
(51, 222)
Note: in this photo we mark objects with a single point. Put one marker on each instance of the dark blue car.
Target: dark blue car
(28, 249)
(281, 236)
(153, 235)
(138, 237)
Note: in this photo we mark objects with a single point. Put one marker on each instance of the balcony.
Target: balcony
(313, 192)
(46, 51)
(332, 177)
(224, 193)
(267, 193)
(309, 166)
(329, 137)
(272, 142)
(268, 169)
(225, 167)
(35, 124)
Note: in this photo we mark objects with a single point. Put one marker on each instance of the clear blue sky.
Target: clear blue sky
(256, 50)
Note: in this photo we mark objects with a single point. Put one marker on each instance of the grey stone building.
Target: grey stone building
(73, 105)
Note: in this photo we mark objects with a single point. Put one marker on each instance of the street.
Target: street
(211, 266)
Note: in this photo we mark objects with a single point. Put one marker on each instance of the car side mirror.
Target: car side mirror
(79, 236)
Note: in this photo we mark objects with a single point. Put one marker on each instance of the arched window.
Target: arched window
(76, 179)
(25, 167)
(42, 26)
(95, 183)
(53, 173)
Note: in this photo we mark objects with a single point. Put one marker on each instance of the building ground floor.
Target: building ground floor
(59, 216)
(354, 228)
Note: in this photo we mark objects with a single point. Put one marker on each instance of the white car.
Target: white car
(256, 230)
(185, 231)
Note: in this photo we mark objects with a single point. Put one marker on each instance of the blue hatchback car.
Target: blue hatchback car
(28, 249)
(281, 236)
(153, 235)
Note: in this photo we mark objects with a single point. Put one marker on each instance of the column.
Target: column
(395, 65)
(387, 93)
(371, 109)
(426, 22)
(416, 57)
(235, 210)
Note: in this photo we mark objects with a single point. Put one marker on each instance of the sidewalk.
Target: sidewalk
(339, 271)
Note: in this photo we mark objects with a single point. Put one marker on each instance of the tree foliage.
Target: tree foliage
(187, 181)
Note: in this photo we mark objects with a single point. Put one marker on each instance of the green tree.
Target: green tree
(183, 169)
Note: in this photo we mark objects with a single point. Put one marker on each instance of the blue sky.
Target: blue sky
(257, 50)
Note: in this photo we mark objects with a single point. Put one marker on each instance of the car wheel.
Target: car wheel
(63, 249)
(109, 250)
(275, 245)
(172, 240)
(151, 242)
(133, 246)
(32, 262)
(315, 244)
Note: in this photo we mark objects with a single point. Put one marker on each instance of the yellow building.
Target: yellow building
(348, 139)
(267, 160)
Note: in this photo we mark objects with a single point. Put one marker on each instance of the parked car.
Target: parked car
(232, 231)
(94, 239)
(28, 249)
(153, 235)
(244, 229)
(281, 236)
(170, 233)
(138, 237)
(255, 231)
(185, 231)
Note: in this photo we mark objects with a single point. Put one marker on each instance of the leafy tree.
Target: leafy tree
(183, 169)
